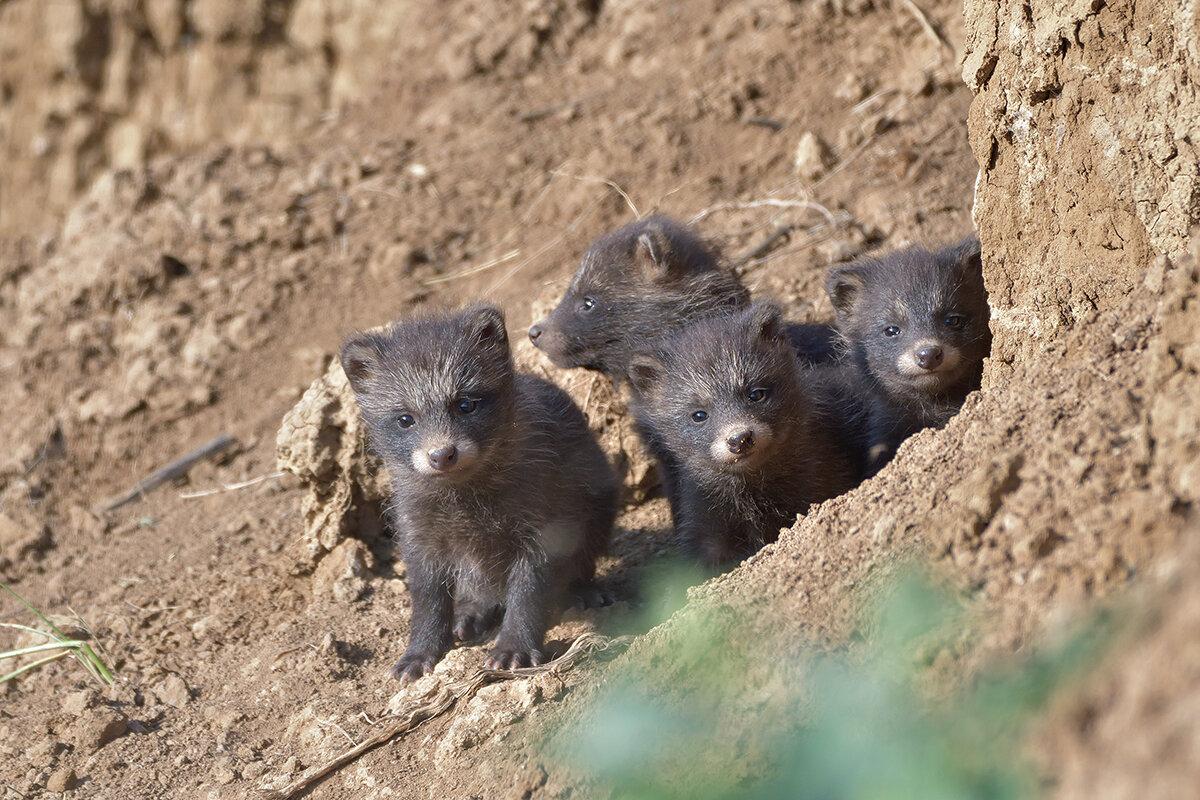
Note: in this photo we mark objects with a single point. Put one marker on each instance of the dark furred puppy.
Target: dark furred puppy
(750, 445)
(633, 286)
(500, 494)
(916, 324)
(641, 283)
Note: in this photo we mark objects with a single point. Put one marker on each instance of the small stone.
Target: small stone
(43, 751)
(813, 157)
(853, 88)
(77, 702)
(204, 626)
(223, 771)
(63, 780)
(528, 779)
(174, 692)
(918, 82)
(525, 695)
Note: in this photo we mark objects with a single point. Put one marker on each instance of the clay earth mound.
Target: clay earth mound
(199, 201)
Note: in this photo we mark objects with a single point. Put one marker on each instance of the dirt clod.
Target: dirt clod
(343, 574)
(78, 702)
(61, 780)
(173, 691)
(95, 728)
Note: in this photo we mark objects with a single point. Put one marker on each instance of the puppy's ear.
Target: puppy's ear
(652, 251)
(645, 372)
(968, 256)
(666, 251)
(660, 259)
(845, 286)
(765, 321)
(360, 361)
(485, 327)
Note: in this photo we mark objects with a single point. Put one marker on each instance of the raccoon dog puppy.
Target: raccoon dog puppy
(915, 323)
(750, 445)
(499, 495)
(641, 283)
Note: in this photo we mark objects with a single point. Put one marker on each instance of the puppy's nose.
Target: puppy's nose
(534, 333)
(740, 443)
(443, 458)
(929, 357)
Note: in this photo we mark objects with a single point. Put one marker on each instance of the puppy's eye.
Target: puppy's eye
(891, 331)
(406, 420)
(699, 416)
(587, 305)
(467, 405)
(955, 322)
(757, 394)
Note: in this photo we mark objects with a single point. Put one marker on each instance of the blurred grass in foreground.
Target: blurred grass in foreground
(759, 721)
(59, 645)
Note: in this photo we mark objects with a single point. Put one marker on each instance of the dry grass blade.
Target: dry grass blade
(807, 205)
(608, 182)
(571, 226)
(445, 700)
(928, 27)
(462, 273)
(231, 487)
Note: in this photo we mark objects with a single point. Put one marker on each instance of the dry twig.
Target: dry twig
(608, 182)
(782, 232)
(176, 469)
(766, 122)
(816, 235)
(444, 701)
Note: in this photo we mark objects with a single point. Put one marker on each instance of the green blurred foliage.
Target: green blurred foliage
(853, 728)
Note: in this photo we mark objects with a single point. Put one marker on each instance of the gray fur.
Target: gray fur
(727, 508)
(916, 292)
(644, 281)
(524, 517)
